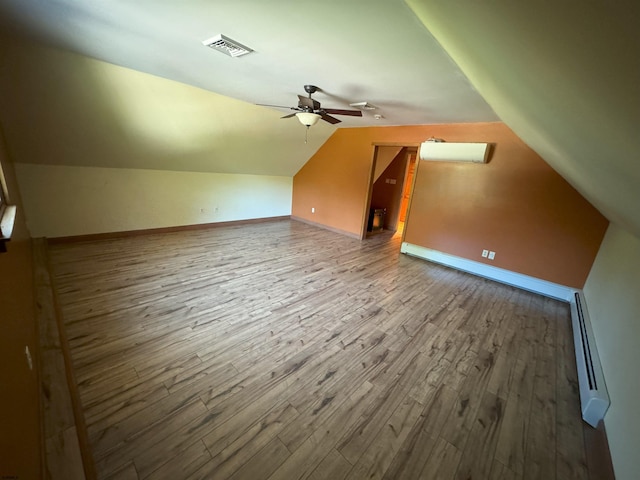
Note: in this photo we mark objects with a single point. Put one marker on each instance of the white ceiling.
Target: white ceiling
(358, 50)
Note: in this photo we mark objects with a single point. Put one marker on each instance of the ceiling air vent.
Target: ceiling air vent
(227, 46)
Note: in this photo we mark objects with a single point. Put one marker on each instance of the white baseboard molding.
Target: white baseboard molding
(525, 282)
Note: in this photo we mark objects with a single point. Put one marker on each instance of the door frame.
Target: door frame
(372, 169)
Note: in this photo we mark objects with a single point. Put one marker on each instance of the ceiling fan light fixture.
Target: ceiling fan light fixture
(307, 118)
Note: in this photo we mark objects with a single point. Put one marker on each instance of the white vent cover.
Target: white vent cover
(227, 46)
(438, 151)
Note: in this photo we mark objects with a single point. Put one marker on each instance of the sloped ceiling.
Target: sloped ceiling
(565, 76)
(61, 108)
(361, 50)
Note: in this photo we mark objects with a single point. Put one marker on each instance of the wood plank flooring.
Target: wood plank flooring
(283, 351)
(63, 457)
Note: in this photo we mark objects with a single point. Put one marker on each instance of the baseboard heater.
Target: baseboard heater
(594, 398)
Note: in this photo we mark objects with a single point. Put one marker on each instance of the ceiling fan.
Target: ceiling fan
(309, 110)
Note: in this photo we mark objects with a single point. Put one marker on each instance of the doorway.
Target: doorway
(407, 189)
(390, 190)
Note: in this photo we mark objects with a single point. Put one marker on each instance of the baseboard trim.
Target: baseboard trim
(597, 451)
(325, 227)
(525, 282)
(149, 231)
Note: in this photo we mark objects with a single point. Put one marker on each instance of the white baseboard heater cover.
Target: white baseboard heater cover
(454, 152)
(594, 398)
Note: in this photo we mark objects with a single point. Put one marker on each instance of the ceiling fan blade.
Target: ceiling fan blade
(267, 105)
(335, 111)
(330, 119)
(288, 116)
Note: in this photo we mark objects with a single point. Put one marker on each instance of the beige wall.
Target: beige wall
(19, 411)
(67, 201)
(613, 301)
(101, 148)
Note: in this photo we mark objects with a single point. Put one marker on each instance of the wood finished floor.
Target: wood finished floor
(283, 351)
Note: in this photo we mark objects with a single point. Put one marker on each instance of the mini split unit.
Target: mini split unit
(440, 151)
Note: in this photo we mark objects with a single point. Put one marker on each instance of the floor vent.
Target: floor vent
(594, 398)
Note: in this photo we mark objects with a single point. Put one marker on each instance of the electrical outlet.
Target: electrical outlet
(492, 255)
(485, 253)
(313, 210)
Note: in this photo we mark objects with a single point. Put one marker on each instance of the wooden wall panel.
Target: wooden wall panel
(19, 405)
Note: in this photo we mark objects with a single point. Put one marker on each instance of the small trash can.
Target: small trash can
(376, 219)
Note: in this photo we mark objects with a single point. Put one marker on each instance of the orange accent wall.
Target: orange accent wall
(515, 205)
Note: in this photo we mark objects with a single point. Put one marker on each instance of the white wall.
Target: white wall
(612, 293)
(64, 201)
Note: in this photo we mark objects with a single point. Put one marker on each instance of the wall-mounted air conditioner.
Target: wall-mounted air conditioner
(439, 151)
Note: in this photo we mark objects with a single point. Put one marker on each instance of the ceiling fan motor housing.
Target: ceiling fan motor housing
(308, 104)
(310, 89)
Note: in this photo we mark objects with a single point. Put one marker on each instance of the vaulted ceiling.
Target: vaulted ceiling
(360, 50)
(566, 79)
